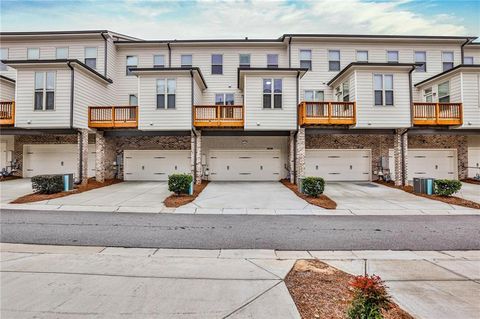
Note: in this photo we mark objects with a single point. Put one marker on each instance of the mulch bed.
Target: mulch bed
(446, 199)
(471, 181)
(92, 184)
(180, 200)
(321, 291)
(9, 178)
(321, 201)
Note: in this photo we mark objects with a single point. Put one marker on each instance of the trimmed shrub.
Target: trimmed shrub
(47, 184)
(313, 186)
(179, 183)
(369, 298)
(447, 187)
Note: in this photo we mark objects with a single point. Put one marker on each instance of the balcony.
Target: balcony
(113, 116)
(327, 113)
(7, 113)
(225, 116)
(437, 114)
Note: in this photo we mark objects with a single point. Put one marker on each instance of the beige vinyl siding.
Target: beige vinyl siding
(7, 91)
(88, 91)
(455, 88)
(474, 52)
(24, 104)
(111, 59)
(258, 118)
(197, 94)
(178, 119)
(471, 99)
(371, 116)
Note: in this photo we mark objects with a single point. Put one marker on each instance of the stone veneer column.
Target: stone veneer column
(100, 157)
(83, 150)
(400, 161)
(198, 152)
(300, 162)
(291, 157)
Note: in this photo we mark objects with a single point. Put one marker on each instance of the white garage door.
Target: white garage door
(55, 159)
(244, 165)
(339, 165)
(473, 161)
(155, 165)
(441, 164)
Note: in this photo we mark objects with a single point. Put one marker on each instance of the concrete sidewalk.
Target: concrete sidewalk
(141, 282)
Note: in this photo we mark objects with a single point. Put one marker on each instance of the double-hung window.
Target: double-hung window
(132, 62)
(244, 60)
(468, 60)
(217, 64)
(428, 94)
(44, 91)
(61, 53)
(444, 92)
(224, 99)
(3, 56)
(159, 61)
(91, 57)
(333, 60)
(346, 92)
(186, 61)
(362, 56)
(313, 96)
(272, 93)
(447, 60)
(421, 58)
(132, 100)
(306, 59)
(383, 89)
(166, 93)
(272, 61)
(33, 53)
(392, 56)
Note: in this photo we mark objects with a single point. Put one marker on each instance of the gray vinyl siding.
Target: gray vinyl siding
(7, 91)
(24, 104)
(258, 118)
(176, 119)
(471, 99)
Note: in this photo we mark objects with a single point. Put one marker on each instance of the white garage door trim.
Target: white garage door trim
(341, 168)
(473, 161)
(245, 165)
(410, 177)
(155, 165)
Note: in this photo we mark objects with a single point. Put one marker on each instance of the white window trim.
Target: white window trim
(133, 65)
(314, 91)
(129, 96)
(425, 94)
(469, 57)
(56, 52)
(449, 91)
(249, 60)
(272, 94)
(424, 62)
(191, 59)
(85, 56)
(158, 65)
(300, 57)
(356, 55)
(211, 62)
(384, 100)
(224, 97)
(278, 59)
(165, 98)
(39, 53)
(453, 59)
(44, 97)
(398, 56)
(339, 60)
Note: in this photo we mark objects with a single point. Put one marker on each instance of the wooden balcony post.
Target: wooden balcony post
(437, 113)
(329, 112)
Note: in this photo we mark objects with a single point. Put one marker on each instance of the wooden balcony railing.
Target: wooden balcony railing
(437, 114)
(113, 116)
(218, 116)
(326, 113)
(7, 113)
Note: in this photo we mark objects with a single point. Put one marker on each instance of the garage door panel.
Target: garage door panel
(155, 165)
(338, 165)
(473, 161)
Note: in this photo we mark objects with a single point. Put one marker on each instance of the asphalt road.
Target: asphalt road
(241, 231)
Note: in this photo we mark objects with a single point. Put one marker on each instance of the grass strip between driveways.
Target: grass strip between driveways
(180, 200)
(446, 199)
(322, 291)
(321, 201)
(92, 184)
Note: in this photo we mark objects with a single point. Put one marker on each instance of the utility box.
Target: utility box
(423, 185)
(67, 182)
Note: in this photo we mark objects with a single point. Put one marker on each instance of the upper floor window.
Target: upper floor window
(468, 60)
(421, 58)
(186, 61)
(132, 100)
(392, 56)
(33, 53)
(244, 60)
(313, 96)
(3, 56)
(166, 89)
(333, 60)
(346, 91)
(159, 61)
(272, 61)
(272, 93)
(61, 53)
(447, 60)
(217, 64)
(44, 91)
(444, 92)
(383, 89)
(132, 62)
(428, 94)
(91, 57)
(362, 56)
(306, 59)
(224, 99)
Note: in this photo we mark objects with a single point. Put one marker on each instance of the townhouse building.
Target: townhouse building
(342, 107)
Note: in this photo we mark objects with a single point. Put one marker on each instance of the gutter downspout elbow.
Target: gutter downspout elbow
(169, 55)
(289, 52)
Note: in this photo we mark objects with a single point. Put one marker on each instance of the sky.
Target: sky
(208, 19)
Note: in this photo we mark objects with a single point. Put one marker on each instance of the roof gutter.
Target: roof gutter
(105, 51)
(169, 55)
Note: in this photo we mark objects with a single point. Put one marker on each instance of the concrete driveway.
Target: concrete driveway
(470, 192)
(10, 190)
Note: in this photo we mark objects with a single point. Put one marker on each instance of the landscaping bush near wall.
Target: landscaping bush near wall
(179, 183)
(313, 186)
(47, 184)
(447, 187)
